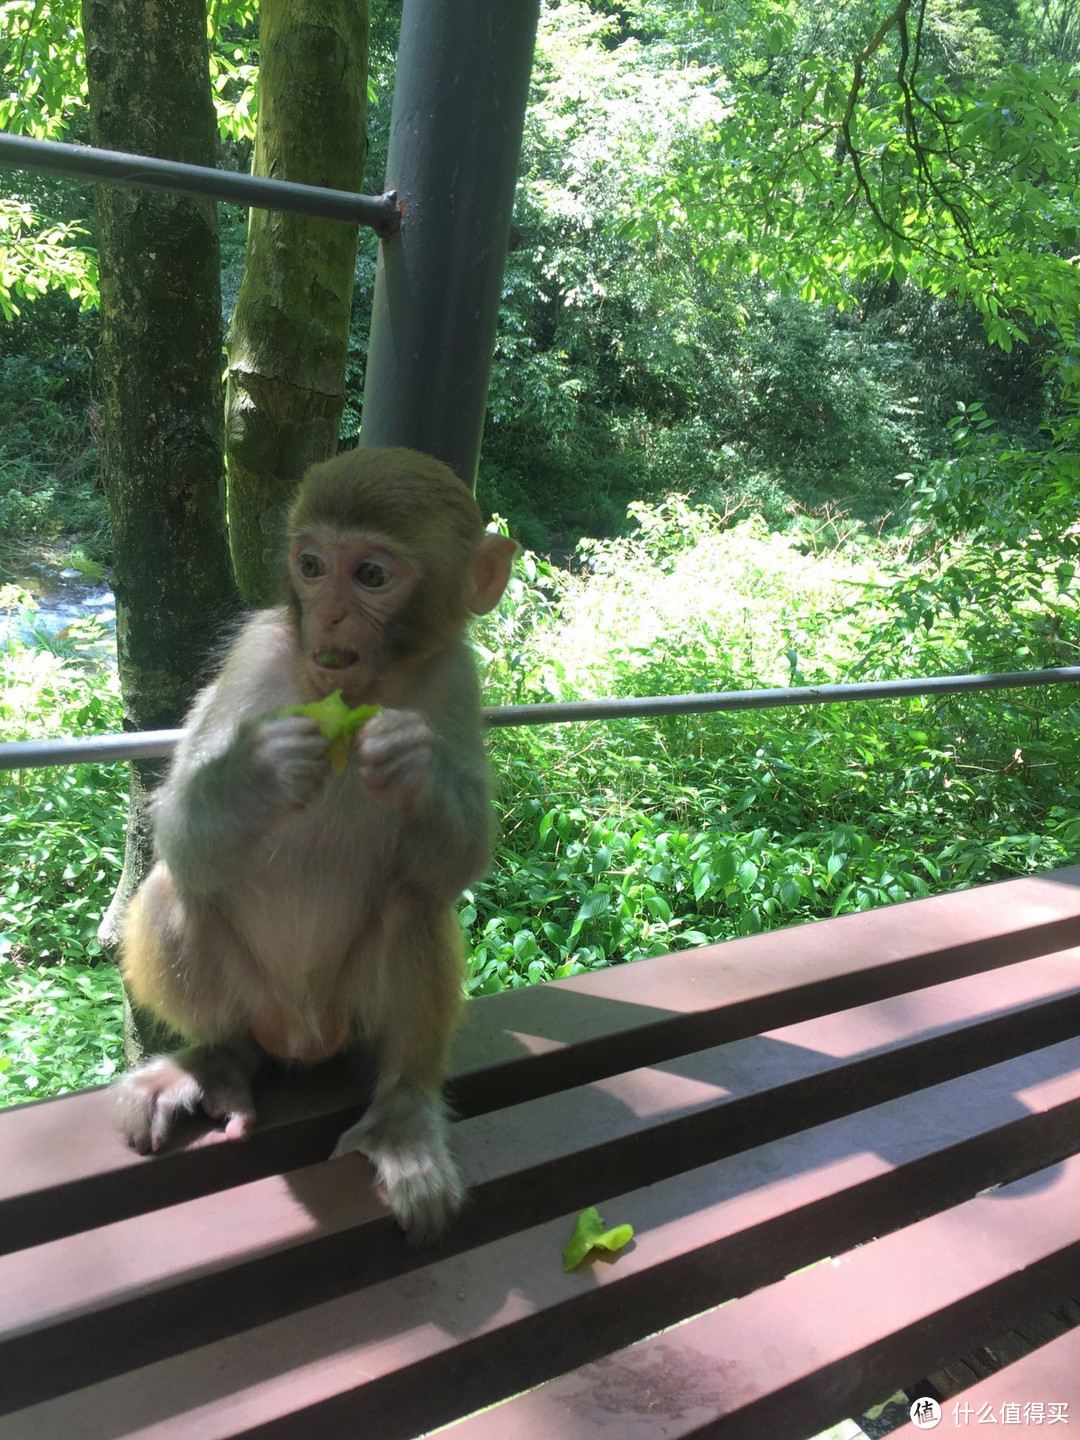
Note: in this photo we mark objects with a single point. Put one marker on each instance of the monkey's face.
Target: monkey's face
(349, 589)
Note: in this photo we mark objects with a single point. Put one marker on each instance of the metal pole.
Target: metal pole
(88, 749)
(101, 749)
(619, 709)
(455, 138)
(83, 162)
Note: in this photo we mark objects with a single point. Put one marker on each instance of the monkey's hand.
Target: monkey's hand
(149, 1100)
(289, 755)
(395, 750)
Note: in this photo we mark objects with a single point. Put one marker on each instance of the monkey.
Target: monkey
(291, 912)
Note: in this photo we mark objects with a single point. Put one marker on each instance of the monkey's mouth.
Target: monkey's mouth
(332, 659)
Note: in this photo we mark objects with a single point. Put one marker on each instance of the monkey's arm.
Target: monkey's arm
(447, 840)
(430, 768)
(239, 767)
(214, 806)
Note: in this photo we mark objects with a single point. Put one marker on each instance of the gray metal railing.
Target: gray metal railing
(382, 213)
(150, 744)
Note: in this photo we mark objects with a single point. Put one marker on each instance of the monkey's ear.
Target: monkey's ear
(491, 572)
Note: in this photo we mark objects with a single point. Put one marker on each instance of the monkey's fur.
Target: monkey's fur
(291, 911)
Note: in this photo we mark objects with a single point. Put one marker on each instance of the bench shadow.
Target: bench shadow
(676, 1115)
(710, 1129)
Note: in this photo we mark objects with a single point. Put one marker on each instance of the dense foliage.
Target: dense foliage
(61, 844)
(633, 837)
(693, 178)
(788, 329)
(760, 248)
(636, 837)
(50, 491)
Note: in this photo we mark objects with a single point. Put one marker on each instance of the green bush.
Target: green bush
(631, 838)
(49, 479)
(62, 1028)
(61, 848)
(628, 838)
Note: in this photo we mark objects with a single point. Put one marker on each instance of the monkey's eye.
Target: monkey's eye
(310, 566)
(372, 576)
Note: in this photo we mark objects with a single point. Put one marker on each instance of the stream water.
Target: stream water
(62, 596)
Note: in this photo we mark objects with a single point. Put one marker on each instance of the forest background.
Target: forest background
(783, 394)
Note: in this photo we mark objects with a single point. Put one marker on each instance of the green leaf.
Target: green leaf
(598, 903)
(337, 722)
(591, 1234)
(747, 874)
(790, 894)
(658, 908)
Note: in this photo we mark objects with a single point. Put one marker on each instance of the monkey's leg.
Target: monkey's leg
(174, 962)
(404, 1134)
(411, 1013)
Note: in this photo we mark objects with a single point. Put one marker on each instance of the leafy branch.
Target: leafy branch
(906, 73)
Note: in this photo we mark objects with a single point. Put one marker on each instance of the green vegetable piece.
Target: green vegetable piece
(337, 722)
(589, 1234)
(331, 713)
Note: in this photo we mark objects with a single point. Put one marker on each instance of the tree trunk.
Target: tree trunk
(290, 334)
(159, 369)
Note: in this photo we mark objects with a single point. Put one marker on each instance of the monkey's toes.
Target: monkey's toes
(235, 1108)
(148, 1100)
(424, 1198)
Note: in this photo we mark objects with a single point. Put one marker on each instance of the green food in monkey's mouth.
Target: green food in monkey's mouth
(337, 722)
(335, 659)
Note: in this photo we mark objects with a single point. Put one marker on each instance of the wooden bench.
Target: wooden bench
(895, 1095)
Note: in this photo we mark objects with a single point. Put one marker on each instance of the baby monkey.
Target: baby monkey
(292, 911)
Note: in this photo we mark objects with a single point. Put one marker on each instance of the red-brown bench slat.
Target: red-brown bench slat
(1048, 1376)
(538, 1039)
(61, 1169)
(815, 1348)
(408, 1353)
(250, 1251)
(751, 1106)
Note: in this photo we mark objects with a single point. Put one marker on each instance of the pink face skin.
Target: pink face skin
(349, 586)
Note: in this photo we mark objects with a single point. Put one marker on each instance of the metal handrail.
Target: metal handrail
(152, 744)
(382, 213)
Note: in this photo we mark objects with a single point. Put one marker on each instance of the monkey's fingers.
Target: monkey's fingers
(285, 740)
(275, 725)
(395, 759)
(393, 732)
(402, 784)
(296, 764)
(274, 748)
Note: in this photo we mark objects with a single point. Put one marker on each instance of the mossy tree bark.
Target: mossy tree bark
(159, 369)
(290, 334)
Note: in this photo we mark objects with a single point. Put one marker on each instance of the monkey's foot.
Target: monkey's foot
(403, 1134)
(149, 1100)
